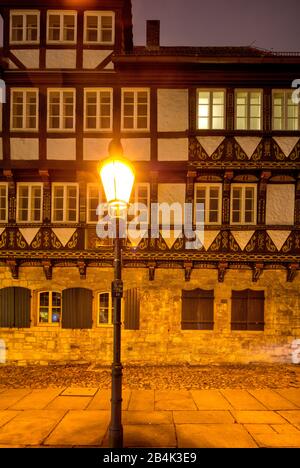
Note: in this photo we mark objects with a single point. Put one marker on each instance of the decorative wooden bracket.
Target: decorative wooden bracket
(222, 267)
(188, 268)
(291, 272)
(152, 267)
(82, 270)
(14, 268)
(47, 267)
(257, 271)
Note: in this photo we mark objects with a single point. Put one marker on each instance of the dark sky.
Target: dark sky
(271, 24)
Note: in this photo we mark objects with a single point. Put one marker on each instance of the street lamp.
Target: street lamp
(117, 177)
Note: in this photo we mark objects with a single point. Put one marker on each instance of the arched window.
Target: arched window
(49, 307)
(105, 309)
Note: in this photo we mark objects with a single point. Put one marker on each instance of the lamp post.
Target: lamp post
(117, 177)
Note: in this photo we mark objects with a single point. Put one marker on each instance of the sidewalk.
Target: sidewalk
(79, 417)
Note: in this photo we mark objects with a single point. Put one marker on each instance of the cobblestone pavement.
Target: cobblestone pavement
(251, 376)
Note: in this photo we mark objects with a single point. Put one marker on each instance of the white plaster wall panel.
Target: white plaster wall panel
(12, 65)
(173, 193)
(242, 237)
(210, 144)
(63, 149)
(24, 148)
(209, 237)
(95, 149)
(29, 234)
(248, 144)
(93, 58)
(64, 234)
(173, 149)
(29, 57)
(137, 149)
(279, 237)
(287, 144)
(172, 110)
(61, 59)
(280, 204)
(1, 148)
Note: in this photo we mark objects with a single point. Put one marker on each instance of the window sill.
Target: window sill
(109, 325)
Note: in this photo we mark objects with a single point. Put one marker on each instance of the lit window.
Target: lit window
(62, 27)
(29, 203)
(105, 311)
(94, 198)
(24, 27)
(61, 110)
(141, 197)
(49, 307)
(65, 203)
(286, 114)
(24, 109)
(208, 203)
(99, 27)
(243, 204)
(248, 108)
(3, 203)
(211, 110)
(98, 109)
(135, 110)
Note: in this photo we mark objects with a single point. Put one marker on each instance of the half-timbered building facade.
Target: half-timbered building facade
(215, 126)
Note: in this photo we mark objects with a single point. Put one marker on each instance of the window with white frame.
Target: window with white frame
(243, 204)
(94, 198)
(208, 203)
(211, 109)
(248, 110)
(24, 109)
(49, 307)
(135, 109)
(64, 203)
(61, 27)
(24, 27)
(3, 203)
(105, 309)
(29, 202)
(286, 113)
(141, 196)
(99, 27)
(61, 110)
(98, 109)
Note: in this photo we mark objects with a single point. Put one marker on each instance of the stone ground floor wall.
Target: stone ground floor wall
(160, 339)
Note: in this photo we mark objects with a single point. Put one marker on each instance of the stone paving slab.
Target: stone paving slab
(292, 416)
(162, 435)
(101, 400)
(272, 400)
(30, 427)
(258, 417)
(37, 399)
(79, 391)
(10, 397)
(210, 400)
(278, 440)
(285, 429)
(202, 417)
(242, 400)
(141, 400)
(69, 403)
(291, 394)
(147, 417)
(6, 416)
(174, 402)
(80, 428)
(259, 429)
(213, 436)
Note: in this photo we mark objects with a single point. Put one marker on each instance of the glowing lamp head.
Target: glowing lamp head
(117, 177)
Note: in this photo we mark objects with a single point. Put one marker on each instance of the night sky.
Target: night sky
(270, 24)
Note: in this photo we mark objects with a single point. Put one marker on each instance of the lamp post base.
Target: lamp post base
(116, 428)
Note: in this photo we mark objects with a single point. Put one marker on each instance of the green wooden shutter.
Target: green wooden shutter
(7, 308)
(77, 308)
(132, 309)
(197, 310)
(15, 307)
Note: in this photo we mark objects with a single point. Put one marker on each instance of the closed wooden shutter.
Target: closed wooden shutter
(247, 310)
(15, 307)
(77, 308)
(197, 310)
(132, 309)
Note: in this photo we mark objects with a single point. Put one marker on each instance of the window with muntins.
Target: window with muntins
(65, 203)
(243, 204)
(98, 109)
(99, 27)
(29, 203)
(247, 310)
(208, 203)
(105, 309)
(24, 27)
(3, 203)
(286, 113)
(61, 110)
(49, 307)
(61, 27)
(248, 110)
(197, 310)
(24, 109)
(135, 109)
(211, 109)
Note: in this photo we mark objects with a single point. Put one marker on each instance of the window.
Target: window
(135, 109)
(105, 309)
(24, 109)
(94, 198)
(62, 27)
(247, 310)
(49, 307)
(29, 203)
(61, 110)
(197, 310)
(211, 110)
(98, 109)
(141, 195)
(24, 27)
(3, 203)
(286, 114)
(248, 108)
(99, 27)
(208, 203)
(243, 204)
(65, 203)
